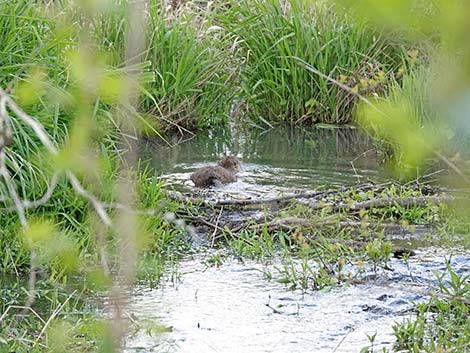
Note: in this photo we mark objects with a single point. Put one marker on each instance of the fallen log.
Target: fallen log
(178, 196)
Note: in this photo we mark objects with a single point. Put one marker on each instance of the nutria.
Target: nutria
(222, 173)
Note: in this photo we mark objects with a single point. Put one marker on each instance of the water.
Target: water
(234, 308)
(225, 309)
(274, 161)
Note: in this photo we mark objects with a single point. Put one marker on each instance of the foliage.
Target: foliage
(442, 323)
(428, 109)
(194, 77)
(279, 38)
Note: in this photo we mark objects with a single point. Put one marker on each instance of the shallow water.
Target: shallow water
(225, 309)
(275, 161)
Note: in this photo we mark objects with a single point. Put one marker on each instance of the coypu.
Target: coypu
(222, 173)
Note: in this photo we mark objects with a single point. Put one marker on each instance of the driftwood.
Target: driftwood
(401, 201)
(289, 223)
(330, 200)
(301, 195)
(272, 200)
(175, 195)
(178, 196)
(374, 203)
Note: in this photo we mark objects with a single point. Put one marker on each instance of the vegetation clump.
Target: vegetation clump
(442, 322)
(295, 54)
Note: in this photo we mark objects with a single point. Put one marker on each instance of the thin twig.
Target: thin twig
(35, 125)
(288, 223)
(342, 340)
(98, 206)
(28, 204)
(22, 308)
(336, 82)
(54, 314)
(216, 226)
(12, 190)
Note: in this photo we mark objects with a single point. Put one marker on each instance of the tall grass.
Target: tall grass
(189, 74)
(276, 35)
(36, 66)
(195, 55)
(191, 59)
(26, 39)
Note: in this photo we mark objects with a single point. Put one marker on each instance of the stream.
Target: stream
(225, 309)
(242, 305)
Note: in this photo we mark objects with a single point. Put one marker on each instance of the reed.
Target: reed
(276, 37)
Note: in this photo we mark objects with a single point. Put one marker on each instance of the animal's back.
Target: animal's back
(212, 175)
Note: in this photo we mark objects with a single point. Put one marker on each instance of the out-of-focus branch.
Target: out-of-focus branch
(40, 132)
(366, 101)
(19, 204)
(127, 227)
(29, 204)
(5, 174)
(97, 204)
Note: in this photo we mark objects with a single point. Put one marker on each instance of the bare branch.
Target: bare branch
(401, 201)
(54, 314)
(100, 210)
(46, 141)
(34, 124)
(12, 190)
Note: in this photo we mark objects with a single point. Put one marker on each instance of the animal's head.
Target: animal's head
(230, 163)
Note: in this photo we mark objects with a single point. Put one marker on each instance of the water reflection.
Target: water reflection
(284, 157)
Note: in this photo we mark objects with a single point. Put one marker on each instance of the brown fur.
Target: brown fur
(222, 173)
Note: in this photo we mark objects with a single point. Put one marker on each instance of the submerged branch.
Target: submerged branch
(311, 194)
(401, 201)
(288, 223)
(329, 208)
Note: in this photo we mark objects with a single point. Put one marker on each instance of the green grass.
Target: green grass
(442, 323)
(194, 76)
(27, 39)
(188, 70)
(276, 37)
(200, 62)
(75, 328)
(37, 66)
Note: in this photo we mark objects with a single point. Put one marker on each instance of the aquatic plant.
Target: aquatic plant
(442, 322)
